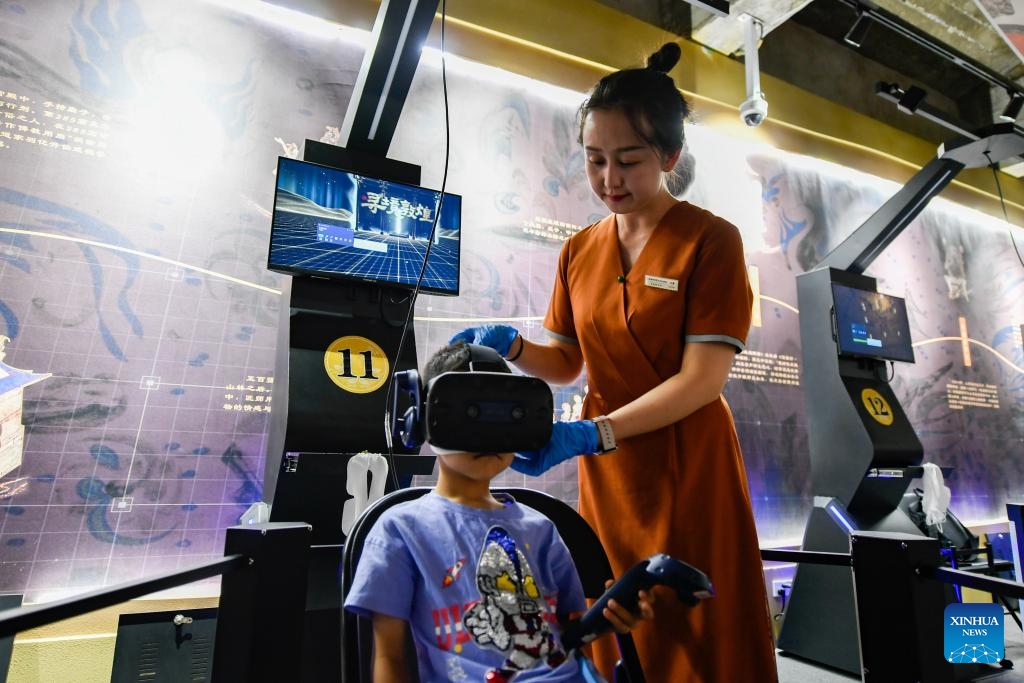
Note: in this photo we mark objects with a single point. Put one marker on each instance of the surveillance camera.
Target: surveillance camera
(754, 110)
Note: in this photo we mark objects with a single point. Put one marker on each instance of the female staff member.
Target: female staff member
(654, 299)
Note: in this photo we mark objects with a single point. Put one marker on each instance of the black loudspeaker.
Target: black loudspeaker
(165, 646)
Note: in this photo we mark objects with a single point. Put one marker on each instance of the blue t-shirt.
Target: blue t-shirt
(479, 588)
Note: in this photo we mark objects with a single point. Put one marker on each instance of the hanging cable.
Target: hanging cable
(389, 437)
(879, 371)
(1002, 203)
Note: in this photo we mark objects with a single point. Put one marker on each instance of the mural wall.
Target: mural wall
(138, 142)
(1008, 18)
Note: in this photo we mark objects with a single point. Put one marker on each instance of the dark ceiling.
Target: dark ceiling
(848, 75)
(804, 45)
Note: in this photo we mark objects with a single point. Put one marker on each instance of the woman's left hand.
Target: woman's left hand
(568, 439)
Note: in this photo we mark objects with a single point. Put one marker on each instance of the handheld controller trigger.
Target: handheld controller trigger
(691, 586)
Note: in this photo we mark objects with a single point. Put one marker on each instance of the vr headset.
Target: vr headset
(485, 410)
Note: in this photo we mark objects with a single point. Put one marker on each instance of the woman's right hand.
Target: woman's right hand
(497, 337)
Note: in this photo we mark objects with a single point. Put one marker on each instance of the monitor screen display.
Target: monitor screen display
(870, 324)
(338, 224)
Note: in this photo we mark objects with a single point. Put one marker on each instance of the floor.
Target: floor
(795, 670)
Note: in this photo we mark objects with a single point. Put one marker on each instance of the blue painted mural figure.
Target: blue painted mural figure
(136, 177)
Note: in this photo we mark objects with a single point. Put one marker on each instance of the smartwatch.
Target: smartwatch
(606, 435)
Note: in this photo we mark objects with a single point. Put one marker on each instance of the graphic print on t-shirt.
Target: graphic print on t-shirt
(453, 573)
(510, 615)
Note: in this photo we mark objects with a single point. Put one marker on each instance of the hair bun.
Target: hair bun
(664, 59)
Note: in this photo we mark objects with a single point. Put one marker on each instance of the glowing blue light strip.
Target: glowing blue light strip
(837, 514)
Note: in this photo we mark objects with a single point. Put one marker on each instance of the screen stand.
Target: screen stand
(864, 454)
(337, 350)
(361, 162)
(316, 410)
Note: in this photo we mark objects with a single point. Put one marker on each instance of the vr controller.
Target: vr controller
(691, 586)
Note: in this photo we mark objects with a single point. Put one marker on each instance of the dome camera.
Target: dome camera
(754, 110)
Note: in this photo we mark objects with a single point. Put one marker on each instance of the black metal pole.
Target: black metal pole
(13, 621)
(801, 556)
(864, 244)
(989, 584)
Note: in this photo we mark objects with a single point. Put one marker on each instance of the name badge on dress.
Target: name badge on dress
(661, 283)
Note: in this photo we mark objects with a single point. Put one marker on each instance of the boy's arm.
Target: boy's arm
(389, 635)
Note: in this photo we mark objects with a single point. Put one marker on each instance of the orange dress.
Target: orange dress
(681, 490)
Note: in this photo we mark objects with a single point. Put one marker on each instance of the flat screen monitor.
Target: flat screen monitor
(871, 325)
(333, 223)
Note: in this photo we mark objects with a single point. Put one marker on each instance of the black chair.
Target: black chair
(586, 550)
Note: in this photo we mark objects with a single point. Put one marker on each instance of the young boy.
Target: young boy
(482, 581)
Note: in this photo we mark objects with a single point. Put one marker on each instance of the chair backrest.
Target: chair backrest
(584, 546)
(357, 631)
(953, 535)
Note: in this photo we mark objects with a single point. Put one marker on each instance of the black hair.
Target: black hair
(451, 358)
(648, 97)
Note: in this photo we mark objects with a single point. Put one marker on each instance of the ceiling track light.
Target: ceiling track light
(1013, 107)
(717, 7)
(855, 36)
(907, 30)
(911, 99)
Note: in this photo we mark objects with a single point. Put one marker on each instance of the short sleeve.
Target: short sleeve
(384, 563)
(566, 576)
(719, 299)
(559, 320)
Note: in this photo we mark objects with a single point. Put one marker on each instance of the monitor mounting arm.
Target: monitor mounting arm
(970, 150)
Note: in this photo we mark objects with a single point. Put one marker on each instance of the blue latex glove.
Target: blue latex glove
(568, 439)
(497, 337)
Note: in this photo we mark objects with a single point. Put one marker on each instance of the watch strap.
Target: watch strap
(605, 434)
